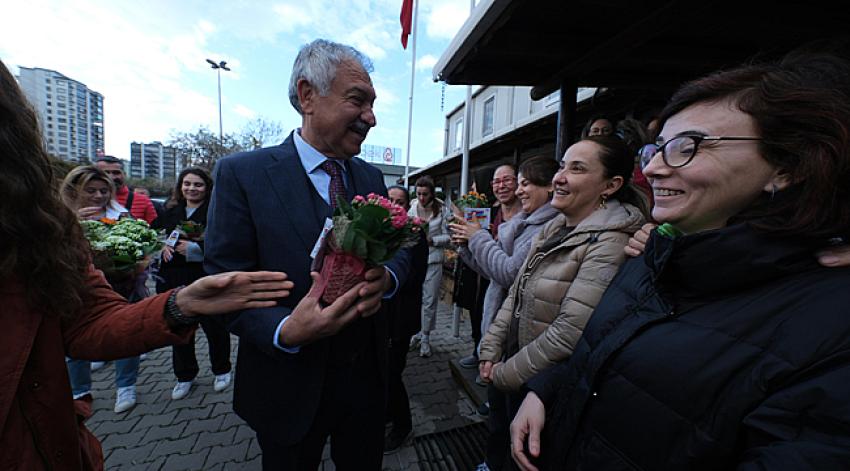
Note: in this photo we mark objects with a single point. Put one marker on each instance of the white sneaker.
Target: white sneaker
(181, 390)
(125, 399)
(425, 349)
(143, 356)
(415, 340)
(96, 365)
(482, 467)
(221, 382)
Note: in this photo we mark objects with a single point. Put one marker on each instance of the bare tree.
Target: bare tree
(202, 147)
(261, 132)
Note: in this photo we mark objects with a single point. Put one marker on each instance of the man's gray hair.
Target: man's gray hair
(317, 63)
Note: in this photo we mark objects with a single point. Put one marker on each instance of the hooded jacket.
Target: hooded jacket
(726, 349)
(556, 291)
(500, 260)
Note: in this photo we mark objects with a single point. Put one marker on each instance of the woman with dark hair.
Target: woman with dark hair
(55, 302)
(598, 125)
(726, 346)
(570, 262)
(499, 259)
(182, 262)
(435, 214)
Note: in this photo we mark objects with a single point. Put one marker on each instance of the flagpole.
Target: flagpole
(410, 98)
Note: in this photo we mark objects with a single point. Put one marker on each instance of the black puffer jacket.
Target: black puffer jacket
(720, 350)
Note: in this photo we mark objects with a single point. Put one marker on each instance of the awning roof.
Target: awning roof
(625, 43)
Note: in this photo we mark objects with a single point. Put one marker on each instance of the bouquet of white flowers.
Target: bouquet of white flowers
(121, 248)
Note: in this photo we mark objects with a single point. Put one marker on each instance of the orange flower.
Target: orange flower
(108, 221)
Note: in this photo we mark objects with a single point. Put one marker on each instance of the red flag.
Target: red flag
(406, 21)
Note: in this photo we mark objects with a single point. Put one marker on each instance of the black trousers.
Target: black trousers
(503, 408)
(477, 312)
(398, 404)
(218, 339)
(351, 412)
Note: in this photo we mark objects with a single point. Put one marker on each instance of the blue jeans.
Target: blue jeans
(126, 372)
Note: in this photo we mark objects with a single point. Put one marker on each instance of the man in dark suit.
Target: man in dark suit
(305, 371)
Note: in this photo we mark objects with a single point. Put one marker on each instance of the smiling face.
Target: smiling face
(581, 181)
(194, 188)
(504, 184)
(337, 124)
(96, 193)
(531, 196)
(722, 179)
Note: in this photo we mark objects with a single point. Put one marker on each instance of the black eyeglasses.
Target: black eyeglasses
(680, 150)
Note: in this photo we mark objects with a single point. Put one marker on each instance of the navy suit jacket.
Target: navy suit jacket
(266, 215)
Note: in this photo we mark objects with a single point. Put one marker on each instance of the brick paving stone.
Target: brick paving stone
(193, 413)
(129, 456)
(192, 461)
(156, 434)
(215, 439)
(180, 446)
(232, 454)
(202, 425)
(118, 426)
(158, 420)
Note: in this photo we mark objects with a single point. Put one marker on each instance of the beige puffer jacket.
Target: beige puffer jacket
(556, 292)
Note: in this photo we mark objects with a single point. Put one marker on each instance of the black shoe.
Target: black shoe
(484, 409)
(393, 441)
(469, 362)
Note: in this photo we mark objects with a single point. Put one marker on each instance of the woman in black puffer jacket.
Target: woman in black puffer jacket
(181, 264)
(726, 346)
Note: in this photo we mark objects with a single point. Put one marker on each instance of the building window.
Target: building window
(487, 124)
(458, 133)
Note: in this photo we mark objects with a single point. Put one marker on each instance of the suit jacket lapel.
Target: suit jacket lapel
(293, 189)
(359, 179)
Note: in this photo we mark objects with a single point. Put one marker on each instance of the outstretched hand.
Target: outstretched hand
(233, 291)
(527, 425)
(309, 321)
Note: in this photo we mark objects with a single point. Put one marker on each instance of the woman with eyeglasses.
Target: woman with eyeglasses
(726, 345)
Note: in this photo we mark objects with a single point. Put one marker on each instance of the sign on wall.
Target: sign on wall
(380, 154)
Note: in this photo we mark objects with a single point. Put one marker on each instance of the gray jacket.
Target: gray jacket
(500, 261)
(438, 233)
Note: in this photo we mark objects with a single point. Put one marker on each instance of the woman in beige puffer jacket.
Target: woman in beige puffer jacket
(556, 291)
(570, 264)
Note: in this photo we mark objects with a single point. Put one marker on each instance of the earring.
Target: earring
(602, 199)
(773, 189)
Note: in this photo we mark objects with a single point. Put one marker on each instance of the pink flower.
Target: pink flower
(417, 221)
(359, 199)
(399, 221)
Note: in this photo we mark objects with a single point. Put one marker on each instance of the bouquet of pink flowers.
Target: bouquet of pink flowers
(366, 233)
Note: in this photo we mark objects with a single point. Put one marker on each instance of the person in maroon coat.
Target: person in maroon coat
(55, 303)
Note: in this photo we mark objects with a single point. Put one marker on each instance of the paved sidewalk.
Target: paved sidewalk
(202, 431)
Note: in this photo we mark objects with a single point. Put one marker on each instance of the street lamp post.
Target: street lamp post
(218, 68)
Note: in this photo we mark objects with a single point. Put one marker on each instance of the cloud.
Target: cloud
(426, 62)
(444, 18)
(244, 111)
(291, 17)
(142, 72)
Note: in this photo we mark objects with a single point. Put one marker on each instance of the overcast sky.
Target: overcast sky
(148, 60)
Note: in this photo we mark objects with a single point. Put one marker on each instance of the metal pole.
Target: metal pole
(220, 126)
(464, 174)
(410, 97)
